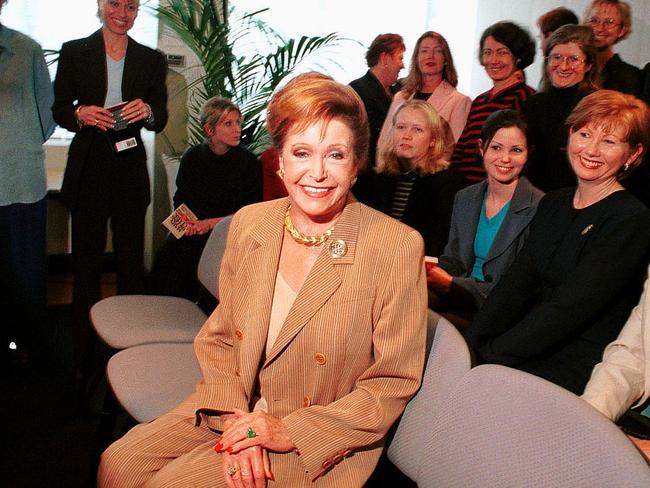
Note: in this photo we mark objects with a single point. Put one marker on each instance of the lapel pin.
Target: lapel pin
(587, 229)
(337, 248)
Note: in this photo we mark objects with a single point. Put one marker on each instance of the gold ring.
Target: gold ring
(232, 470)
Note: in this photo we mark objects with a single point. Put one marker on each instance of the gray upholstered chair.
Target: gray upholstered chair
(448, 360)
(151, 379)
(128, 320)
(503, 428)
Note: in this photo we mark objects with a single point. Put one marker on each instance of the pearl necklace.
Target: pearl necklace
(301, 238)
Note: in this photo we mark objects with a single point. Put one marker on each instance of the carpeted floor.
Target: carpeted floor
(49, 440)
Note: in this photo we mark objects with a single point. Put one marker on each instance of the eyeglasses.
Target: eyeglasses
(558, 59)
(606, 23)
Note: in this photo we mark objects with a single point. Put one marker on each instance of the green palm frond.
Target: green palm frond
(242, 57)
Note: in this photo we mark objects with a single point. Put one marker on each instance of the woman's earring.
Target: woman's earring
(354, 180)
(626, 166)
(280, 173)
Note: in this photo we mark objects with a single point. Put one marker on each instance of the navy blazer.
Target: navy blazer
(458, 257)
(81, 79)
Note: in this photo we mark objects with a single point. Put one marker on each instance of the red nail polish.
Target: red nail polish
(218, 447)
(229, 449)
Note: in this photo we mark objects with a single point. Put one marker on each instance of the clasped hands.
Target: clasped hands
(100, 117)
(244, 444)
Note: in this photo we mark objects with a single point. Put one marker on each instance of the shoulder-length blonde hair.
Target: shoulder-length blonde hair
(413, 82)
(389, 163)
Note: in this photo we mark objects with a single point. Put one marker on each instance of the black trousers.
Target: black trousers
(110, 191)
(23, 264)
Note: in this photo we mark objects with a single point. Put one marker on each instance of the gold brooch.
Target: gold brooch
(338, 248)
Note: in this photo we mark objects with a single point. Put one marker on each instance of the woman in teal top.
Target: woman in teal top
(489, 221)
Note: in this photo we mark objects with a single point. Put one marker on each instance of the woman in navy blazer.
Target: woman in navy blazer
(101, 181)
(580, 273)
(469, 267)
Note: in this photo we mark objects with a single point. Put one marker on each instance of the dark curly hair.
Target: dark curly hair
(515, 38)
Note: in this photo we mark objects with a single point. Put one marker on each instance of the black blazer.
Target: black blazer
(81, 79)
(569, 291)
(429, 206)
(377, 102)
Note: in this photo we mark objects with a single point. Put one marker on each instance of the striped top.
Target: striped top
(466, 156)
(403, 189)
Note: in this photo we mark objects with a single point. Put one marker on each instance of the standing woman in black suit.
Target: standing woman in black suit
(106, 174)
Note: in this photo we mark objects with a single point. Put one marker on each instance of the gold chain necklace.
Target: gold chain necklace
(301, 238)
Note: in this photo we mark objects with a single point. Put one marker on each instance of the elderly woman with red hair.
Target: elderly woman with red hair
(318, 341)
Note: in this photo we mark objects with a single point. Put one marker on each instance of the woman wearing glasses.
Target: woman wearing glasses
(570, 71)
(611, 22)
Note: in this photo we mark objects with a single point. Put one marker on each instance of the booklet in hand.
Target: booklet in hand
(118, 120)
(176, 223)
(123, 136)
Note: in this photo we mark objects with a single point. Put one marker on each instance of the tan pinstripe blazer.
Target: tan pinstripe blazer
(349, 355)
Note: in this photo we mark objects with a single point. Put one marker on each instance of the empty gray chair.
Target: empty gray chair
(503, 428)
(128, 320)
(151, 379)
(448, 360)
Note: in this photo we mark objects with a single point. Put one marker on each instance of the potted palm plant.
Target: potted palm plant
(242, 57)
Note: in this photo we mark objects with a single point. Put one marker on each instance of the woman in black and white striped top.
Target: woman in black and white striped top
(413, 182)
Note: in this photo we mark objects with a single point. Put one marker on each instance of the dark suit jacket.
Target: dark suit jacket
(377, 102)
(458, 257)
(429, 205)
(622, 76)
(569, 291)
(81, 80)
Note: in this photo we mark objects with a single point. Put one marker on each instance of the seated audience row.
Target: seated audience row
(539, 283)
(580, 272)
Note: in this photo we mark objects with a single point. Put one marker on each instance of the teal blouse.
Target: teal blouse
(485, 233)
(26, 121)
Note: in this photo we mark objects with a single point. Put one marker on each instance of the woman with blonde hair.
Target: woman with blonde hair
(433, 78)
(413, 183)
(215, 178)
(108, 87)
(318, 340)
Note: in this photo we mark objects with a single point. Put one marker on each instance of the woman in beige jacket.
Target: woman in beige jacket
(318, 341)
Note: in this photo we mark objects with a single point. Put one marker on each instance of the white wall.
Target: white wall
(460, 21)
